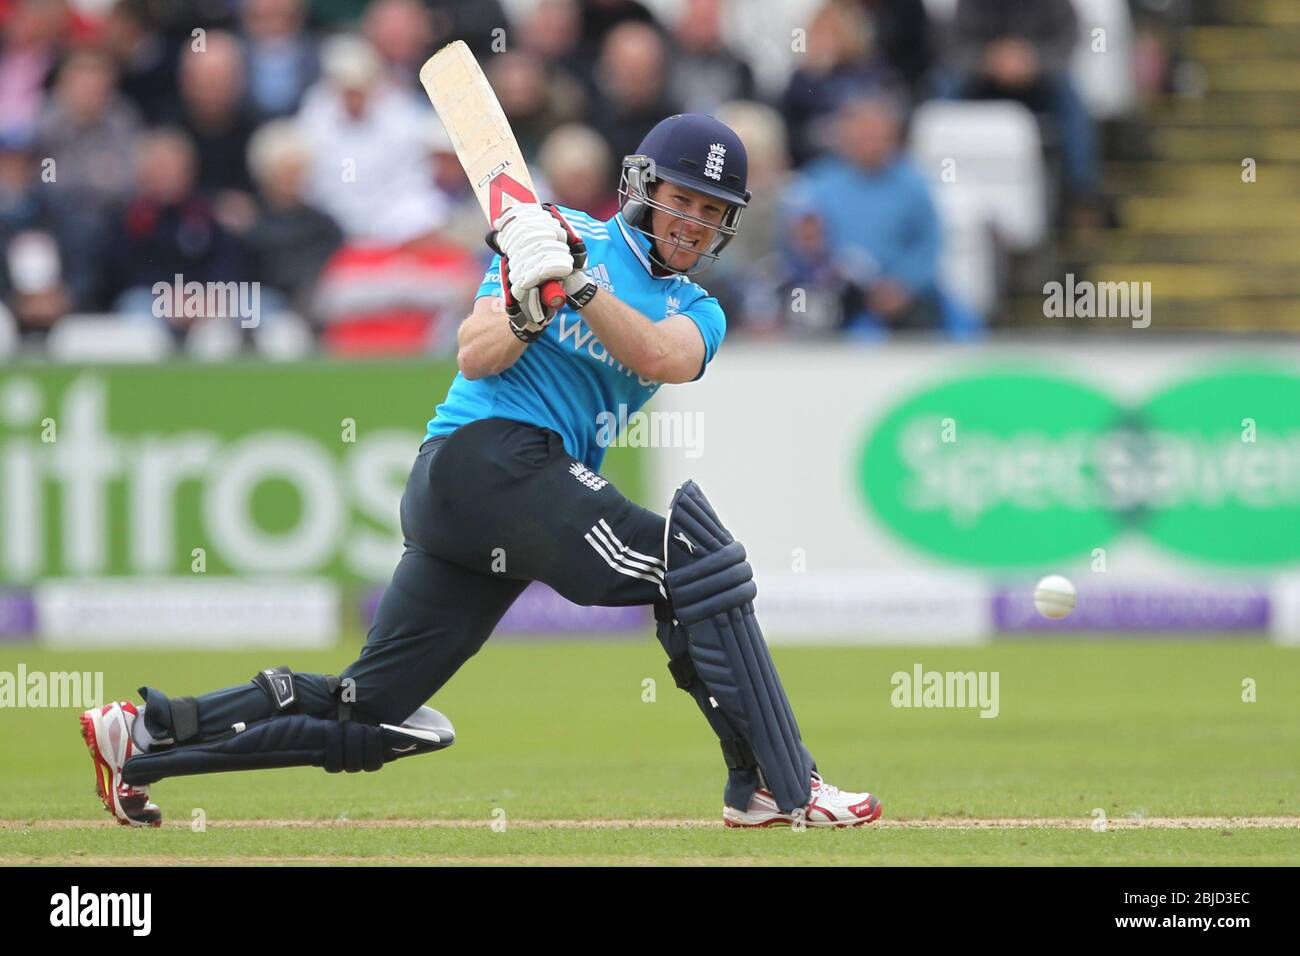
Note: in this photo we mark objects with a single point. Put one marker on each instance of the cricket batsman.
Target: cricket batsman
(506, 489)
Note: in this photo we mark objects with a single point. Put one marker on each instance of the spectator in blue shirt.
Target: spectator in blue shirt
(280, 55)
(876, 230)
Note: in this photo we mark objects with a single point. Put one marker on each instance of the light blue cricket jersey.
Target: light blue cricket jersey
(566, 378)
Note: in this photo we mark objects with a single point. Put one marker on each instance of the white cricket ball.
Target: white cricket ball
(1054, 597)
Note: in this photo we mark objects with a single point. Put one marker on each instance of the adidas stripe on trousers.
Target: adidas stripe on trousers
(487, 509)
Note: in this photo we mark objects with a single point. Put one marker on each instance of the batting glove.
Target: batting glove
(529, 316)
(577, 284)
(536, 245)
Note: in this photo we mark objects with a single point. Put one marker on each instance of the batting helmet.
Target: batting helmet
(695, 151)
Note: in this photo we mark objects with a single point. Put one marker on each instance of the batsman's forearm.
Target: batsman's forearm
(628, 335)
(485, 344)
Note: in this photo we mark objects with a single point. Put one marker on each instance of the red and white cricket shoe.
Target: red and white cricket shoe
(107, 732)
(828, 807)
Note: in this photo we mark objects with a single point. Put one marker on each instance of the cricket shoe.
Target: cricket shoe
(828, 807)
(107, 732)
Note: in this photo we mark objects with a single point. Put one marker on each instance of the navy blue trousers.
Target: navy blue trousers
(486, 510)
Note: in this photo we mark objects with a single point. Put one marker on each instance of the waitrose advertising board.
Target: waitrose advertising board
(195, 499)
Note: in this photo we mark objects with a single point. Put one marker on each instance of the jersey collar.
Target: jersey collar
(639, 244)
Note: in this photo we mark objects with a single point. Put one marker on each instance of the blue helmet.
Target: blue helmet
(695, 151)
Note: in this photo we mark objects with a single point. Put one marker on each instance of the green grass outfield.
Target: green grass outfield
(557, 748)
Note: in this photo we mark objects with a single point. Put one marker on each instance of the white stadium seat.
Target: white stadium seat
(107, 338)
(8, 332)
(968, 266)
(1105, 80)
(998, 186)
(941, 11)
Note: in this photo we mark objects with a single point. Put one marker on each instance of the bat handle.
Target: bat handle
(553, 294)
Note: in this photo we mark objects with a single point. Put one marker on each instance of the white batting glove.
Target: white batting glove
(577, 285)
(536, 245)
(528, 316)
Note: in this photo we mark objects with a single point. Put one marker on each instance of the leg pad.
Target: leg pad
(299, 740)
(711, 591)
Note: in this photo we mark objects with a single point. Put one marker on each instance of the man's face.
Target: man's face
(868, 132)
(165, 170)
(632, 65)
(85, 88)
(685, 239)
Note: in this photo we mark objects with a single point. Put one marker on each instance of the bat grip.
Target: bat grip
(553, 294)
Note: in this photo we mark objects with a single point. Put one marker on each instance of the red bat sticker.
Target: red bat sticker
(502, 186)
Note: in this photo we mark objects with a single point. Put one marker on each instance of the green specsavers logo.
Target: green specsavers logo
(1015, 468)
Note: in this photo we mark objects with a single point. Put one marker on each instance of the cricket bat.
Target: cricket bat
(482, 138)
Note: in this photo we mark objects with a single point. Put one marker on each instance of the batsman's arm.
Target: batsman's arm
(485, 344)
(671, 351)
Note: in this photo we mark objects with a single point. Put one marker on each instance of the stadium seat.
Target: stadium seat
(1105, 80)
(8, 332)
(997, 189)
(941, 11)
(107, 338)
(284, 337)
(967, 263)
(213, 340)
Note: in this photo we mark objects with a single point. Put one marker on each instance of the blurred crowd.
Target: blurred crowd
(288, 143)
